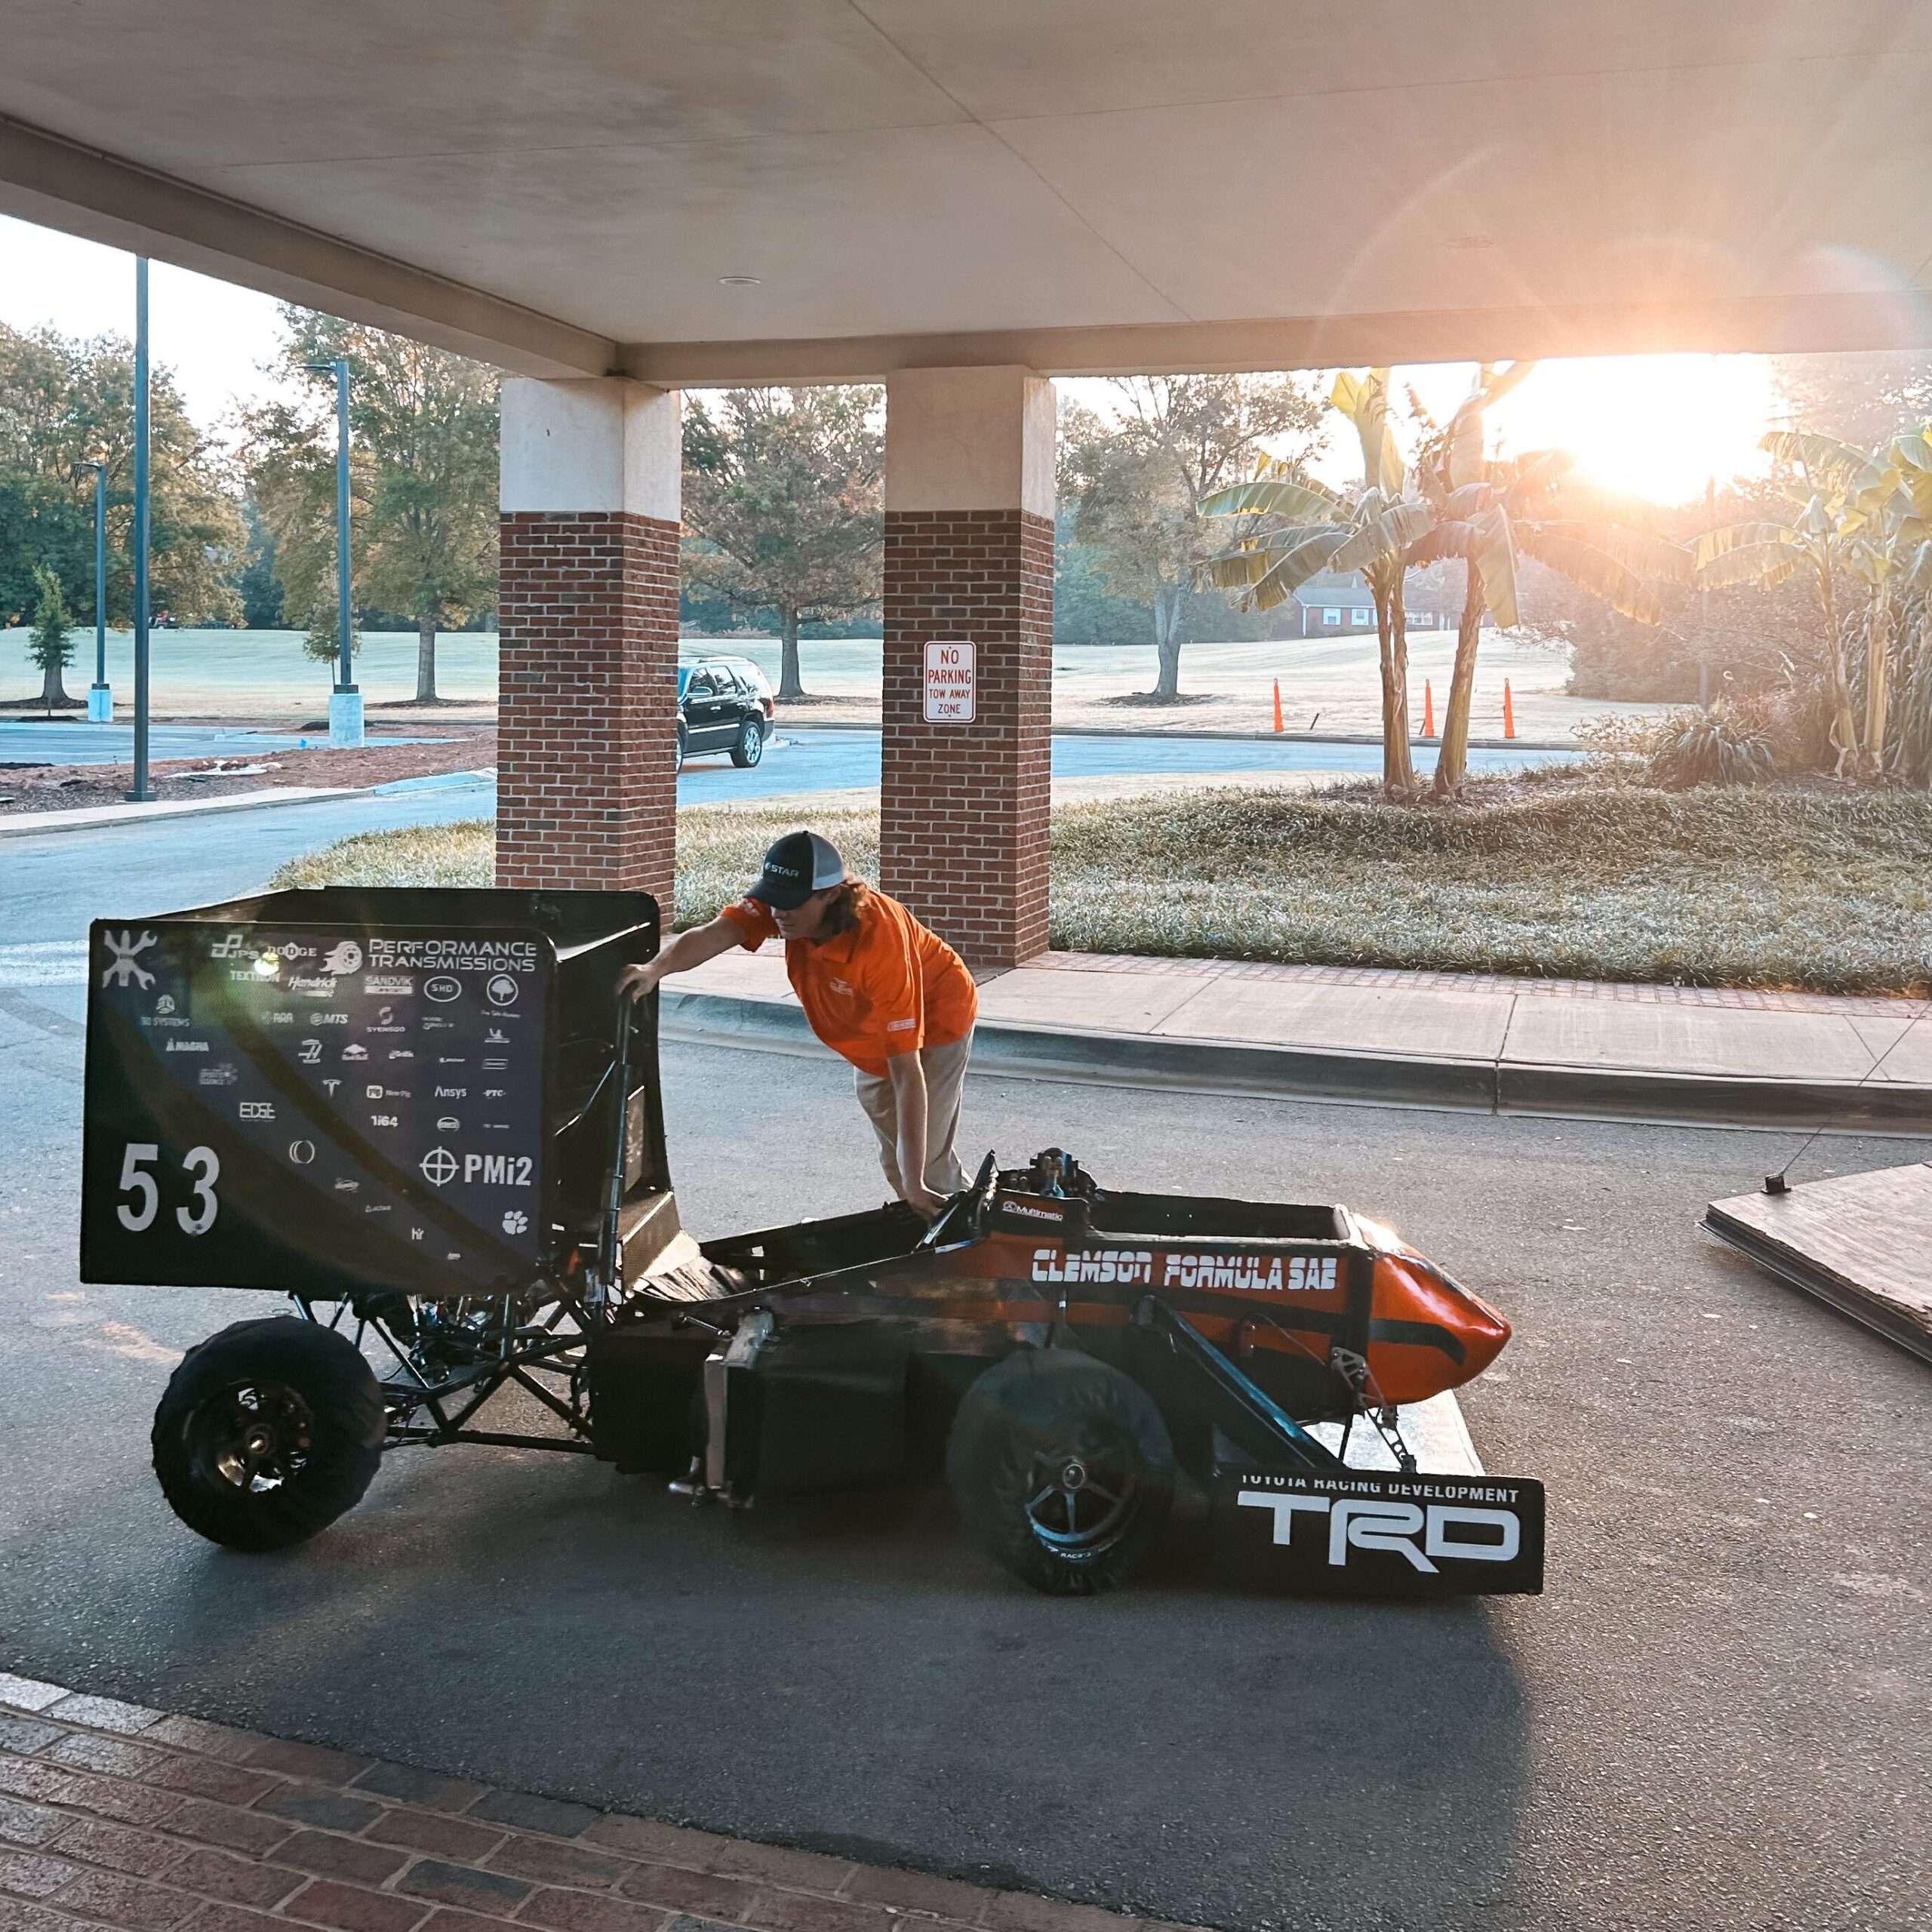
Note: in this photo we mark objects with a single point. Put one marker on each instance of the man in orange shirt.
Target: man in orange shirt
(877, 986)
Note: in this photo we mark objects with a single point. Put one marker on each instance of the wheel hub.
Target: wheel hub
(1079, 1504)
(258, 1435)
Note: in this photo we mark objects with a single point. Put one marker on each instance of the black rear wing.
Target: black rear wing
(324, 1093)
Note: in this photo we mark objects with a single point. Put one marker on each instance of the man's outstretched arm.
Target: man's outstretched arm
(688, 949)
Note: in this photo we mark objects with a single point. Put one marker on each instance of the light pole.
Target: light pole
(142, 791)
(99, 696)
(345, 700)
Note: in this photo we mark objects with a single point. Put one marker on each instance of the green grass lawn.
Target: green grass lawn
(1829, 891)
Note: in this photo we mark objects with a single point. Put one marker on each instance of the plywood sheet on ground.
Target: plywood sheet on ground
(1862, 1242)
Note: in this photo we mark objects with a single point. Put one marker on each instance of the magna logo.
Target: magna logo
(1421, 1534)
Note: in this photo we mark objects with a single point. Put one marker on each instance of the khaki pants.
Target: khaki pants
(945, 1068)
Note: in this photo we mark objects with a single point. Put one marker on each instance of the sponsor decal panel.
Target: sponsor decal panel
(315, 1098)
(1028, 1211)
(1260, 1274)
(1369, 1531)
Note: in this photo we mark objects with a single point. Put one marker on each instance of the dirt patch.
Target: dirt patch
(62, 787)
(1153, 701)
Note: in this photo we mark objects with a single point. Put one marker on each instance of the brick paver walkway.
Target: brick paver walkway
(111, 1814)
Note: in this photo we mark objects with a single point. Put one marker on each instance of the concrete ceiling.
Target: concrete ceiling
(563, 185)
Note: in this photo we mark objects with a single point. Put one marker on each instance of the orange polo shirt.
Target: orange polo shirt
(888, 986)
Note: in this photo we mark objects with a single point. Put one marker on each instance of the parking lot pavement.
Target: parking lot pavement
(1711, 1718)
(115, 1813)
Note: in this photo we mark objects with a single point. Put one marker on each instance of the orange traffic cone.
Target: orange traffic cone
(1428, 710)
(1277, 704)
(1508, 712)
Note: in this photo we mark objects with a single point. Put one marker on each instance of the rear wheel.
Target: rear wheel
(684, 739)
(267, 1432)
(750, 747)
(1063, 1470)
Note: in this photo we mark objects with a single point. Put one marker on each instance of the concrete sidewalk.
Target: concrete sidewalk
(111, 1814)
(89, 818)
(1492, 1042)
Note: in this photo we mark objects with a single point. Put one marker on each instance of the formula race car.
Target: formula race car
(425, 1116)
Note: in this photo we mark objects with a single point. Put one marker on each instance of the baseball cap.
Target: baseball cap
(800, 864)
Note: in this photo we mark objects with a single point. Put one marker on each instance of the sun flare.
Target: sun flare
(1659, 426)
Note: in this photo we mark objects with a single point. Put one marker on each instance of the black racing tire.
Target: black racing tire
(267, 1432)
(750, 747)
(683, 740)
(1063, 1470)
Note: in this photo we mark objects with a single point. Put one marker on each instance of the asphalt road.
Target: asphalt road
(831, 758)
(811, 760)
(1714, 1717)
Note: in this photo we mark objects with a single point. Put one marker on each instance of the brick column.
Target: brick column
(969, 554)
(586, 794)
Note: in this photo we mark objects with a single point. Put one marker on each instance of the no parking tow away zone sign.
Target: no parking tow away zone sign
(951, 684)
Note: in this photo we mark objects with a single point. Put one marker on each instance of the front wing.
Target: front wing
(1375, 1532)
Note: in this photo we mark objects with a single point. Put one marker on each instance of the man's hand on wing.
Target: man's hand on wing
(639, 981)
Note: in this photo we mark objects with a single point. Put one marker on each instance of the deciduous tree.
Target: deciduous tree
(51, 645)
(423, 478)
(63, 403)
(1138, 482)
(783, 505)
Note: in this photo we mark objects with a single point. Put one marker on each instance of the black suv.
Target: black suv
(723, 704)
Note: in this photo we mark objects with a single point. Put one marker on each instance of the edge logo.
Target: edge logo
(1392, 1527)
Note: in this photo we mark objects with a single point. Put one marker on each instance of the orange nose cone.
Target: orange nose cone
(1426, 1334)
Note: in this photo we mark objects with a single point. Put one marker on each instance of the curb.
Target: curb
(1347, 1077)
(24, 825)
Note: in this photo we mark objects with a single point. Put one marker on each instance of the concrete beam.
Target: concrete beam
(1768, 325)
(82, 190)
(590, 445)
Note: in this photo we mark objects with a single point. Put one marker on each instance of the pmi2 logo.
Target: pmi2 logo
(1422, 1535)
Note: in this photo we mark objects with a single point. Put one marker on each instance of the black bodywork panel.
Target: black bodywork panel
(334, 1092)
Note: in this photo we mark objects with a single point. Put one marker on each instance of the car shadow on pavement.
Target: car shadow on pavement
(847, 1675)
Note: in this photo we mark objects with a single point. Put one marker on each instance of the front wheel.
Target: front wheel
(683, 740)
(1063, 1470)
(750, 747)
(267, 1432)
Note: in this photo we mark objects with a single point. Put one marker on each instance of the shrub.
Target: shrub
(1723, 746)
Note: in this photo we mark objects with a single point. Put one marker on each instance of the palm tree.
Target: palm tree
(1889, 517)
(1487, 512)
(1306, 527)
(1844, 506)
